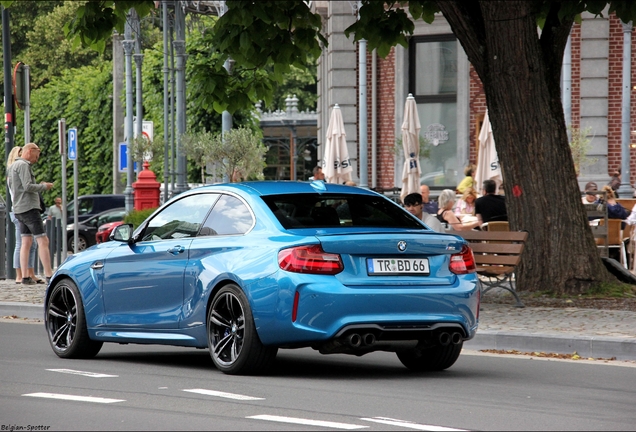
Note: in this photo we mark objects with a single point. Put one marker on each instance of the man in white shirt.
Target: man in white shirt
(413, 204)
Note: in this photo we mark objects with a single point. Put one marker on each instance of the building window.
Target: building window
(433, 83)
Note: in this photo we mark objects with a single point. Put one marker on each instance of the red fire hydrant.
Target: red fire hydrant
(146, 189)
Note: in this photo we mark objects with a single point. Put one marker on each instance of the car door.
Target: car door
(218, 249)
(143, 282)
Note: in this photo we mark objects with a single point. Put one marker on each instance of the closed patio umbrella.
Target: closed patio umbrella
(336, 164)
(487, 161)
(411, 146)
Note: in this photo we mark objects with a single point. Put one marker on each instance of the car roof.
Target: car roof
(113, 210)
(103, 196)
(282, 187)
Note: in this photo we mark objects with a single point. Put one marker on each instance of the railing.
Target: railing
(54, 232)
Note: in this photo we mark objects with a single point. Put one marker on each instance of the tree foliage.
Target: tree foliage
(240, 152)
(265, 39)
(580, 147)
(48, 52)
(81, 97)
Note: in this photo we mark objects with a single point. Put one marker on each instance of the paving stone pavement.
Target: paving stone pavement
(588, 332)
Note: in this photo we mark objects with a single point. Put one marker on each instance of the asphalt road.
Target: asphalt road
(134, 387)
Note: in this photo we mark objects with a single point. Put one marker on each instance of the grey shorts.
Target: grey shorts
(31, 223)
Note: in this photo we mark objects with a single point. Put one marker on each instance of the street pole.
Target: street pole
(130, 173)
(625, 190)
(180, 52)
(139, 58)
(362, 127)
(8, 135)
(166, 87)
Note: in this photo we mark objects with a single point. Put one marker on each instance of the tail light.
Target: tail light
(463, 262)
(310, 259)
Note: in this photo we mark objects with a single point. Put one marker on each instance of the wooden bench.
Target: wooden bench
(497, 254)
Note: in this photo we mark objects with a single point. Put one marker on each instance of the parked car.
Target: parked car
(247, 268)
(87, 229)
(103, 232)
(90, 205)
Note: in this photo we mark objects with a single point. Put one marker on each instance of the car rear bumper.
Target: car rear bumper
(327, 309)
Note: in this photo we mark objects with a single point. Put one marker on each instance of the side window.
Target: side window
(229, 216)
(181, 219)
(85, 206)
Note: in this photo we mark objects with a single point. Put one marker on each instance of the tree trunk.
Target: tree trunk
(520, 69)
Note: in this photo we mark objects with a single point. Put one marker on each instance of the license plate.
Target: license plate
(397, 266)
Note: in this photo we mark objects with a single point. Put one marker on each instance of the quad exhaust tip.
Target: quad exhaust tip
(446, 338)
(355, 340)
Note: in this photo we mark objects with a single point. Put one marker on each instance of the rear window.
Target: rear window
(324, 211)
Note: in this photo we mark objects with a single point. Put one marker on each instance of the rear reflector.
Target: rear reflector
(309, 259)
(463, 262)
(295, 308)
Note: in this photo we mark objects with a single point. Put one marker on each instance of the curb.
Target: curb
(22, 310)
(585, 346)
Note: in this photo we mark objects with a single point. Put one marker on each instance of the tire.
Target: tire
(235, 347)
(430, 359)
(66, 323)
(82, 243)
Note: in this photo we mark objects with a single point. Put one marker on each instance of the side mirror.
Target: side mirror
(122, 233)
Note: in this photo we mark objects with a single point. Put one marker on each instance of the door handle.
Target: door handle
(176, 250)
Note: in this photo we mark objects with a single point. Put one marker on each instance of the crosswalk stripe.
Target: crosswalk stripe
(82, 373)
(74, 397)
(409, 425)
(308, 422)
(223, 394)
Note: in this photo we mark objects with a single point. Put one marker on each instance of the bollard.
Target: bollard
(60, 232)
(3, 243)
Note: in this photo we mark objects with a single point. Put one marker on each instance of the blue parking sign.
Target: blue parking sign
(72, 143)
(123, 158)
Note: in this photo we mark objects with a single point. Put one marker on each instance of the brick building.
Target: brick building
(450, 98)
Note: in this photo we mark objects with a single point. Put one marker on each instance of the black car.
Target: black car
(88, 228)
(90, 205)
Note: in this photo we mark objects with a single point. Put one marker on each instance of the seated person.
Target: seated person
(591, 189)
(490, 207)
(413, 204)
(446, 215)
(614, 209)
(466, 204)
(428, 205)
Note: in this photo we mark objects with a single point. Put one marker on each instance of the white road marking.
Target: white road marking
(223, 394)
(74, 397)
(319, 423)
(87, 374)
(408, 424)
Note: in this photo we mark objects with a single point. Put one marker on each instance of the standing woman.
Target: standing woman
(446, 215)
(15, 152)
(468, 181)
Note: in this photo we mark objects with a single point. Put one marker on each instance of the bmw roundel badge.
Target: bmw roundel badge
(401, 245)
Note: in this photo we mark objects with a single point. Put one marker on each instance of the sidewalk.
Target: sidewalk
(588, 332)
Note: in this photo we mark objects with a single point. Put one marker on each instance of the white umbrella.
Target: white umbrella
(336, 164)
(487, 161)
(411, 146)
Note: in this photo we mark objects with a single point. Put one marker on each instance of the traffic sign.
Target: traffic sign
(147, 129)
(72, 143)
(123, 158)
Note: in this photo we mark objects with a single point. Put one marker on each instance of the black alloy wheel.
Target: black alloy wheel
(66, 324)
(235, 347)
